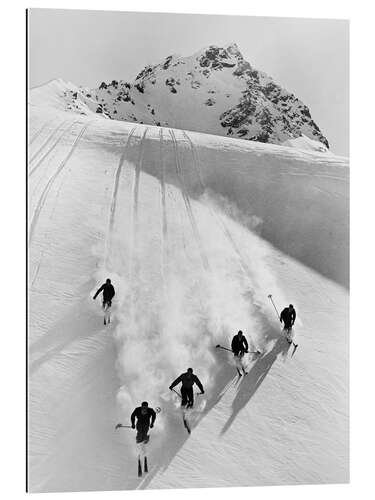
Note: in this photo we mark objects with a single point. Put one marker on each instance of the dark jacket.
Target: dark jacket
(288, 316)
(187, 379)
(143, 420)
(108, 292)
(239, 344)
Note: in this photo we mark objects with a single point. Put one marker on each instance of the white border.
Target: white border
(12, 182)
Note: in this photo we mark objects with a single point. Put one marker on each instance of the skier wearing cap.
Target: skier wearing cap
(239, 347)
(288, 317)
(187, 379)
(145, 420)
(108, 293)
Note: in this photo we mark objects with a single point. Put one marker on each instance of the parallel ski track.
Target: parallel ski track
(135, 191)
(48, 140)
(187, 204)
(165, 249)
(117, 182)
(50, 182)
(225, 229)
(37, 134)
(40, 161)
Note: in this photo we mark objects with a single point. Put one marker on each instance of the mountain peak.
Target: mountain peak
(214, 91)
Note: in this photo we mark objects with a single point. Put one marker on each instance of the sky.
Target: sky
(309, 57)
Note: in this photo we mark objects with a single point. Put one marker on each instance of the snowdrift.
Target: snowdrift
(195, 231)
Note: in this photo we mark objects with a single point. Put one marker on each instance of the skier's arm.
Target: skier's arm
(246, 345)
(132, 417)
(199, 384)
(294, 315)
(98, 291)
(153, 417)
(177, 381)
(282, 315)
(232, 344)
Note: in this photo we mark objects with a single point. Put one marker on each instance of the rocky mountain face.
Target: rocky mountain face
(215, 91)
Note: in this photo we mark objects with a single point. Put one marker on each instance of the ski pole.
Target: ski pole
(225, 348)
(178, 394)
(126, 426)
(230, 350)
(270, 297)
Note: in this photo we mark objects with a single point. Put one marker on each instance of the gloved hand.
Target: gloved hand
(133, 426)
(170, 388)
(151, 426)
(202, 392)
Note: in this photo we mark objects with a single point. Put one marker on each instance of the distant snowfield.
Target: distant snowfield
(195, 231)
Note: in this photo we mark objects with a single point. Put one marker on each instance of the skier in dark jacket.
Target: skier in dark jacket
(239, 347)
(288, 317)
(187, 379)
(108, 293)
(145, 420)
(239, 344)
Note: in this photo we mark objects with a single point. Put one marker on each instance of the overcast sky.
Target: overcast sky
(308, 57)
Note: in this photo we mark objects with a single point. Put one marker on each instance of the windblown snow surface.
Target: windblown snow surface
(195, 231)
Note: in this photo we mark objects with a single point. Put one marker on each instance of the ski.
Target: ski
(139, 466)
(145, 465)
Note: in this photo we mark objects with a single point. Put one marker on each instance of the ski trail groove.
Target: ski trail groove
(48, 140)
(37, 134)
(165, 245)
(40, 161)
(117, 182)
(134, 217)
(186, 199)
(50, 182)
(225, 229)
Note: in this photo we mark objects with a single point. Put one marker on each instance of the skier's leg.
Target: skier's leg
(139, 437)
(238, 364)
(184, 396)
(241, 355)
(190, 397)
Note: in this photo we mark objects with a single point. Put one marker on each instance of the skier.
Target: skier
(187, 380)
(108, 294)
(239, 347)
(145, 420)
(288, 316)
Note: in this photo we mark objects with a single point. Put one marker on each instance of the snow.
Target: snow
(195, 231)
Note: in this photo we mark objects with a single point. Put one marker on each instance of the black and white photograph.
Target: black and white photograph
(187, 251)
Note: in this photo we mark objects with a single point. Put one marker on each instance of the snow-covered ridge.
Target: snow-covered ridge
(214, 91)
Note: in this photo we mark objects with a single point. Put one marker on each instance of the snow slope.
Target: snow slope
(195, 231)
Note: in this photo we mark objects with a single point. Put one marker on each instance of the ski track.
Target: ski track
(37, 134)
(217, 216)
(165, 244)
(117, 183)
(228, 235)
(50, 182)
(44, 156)
(134, 216)
(186, 199)
(47, 141)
